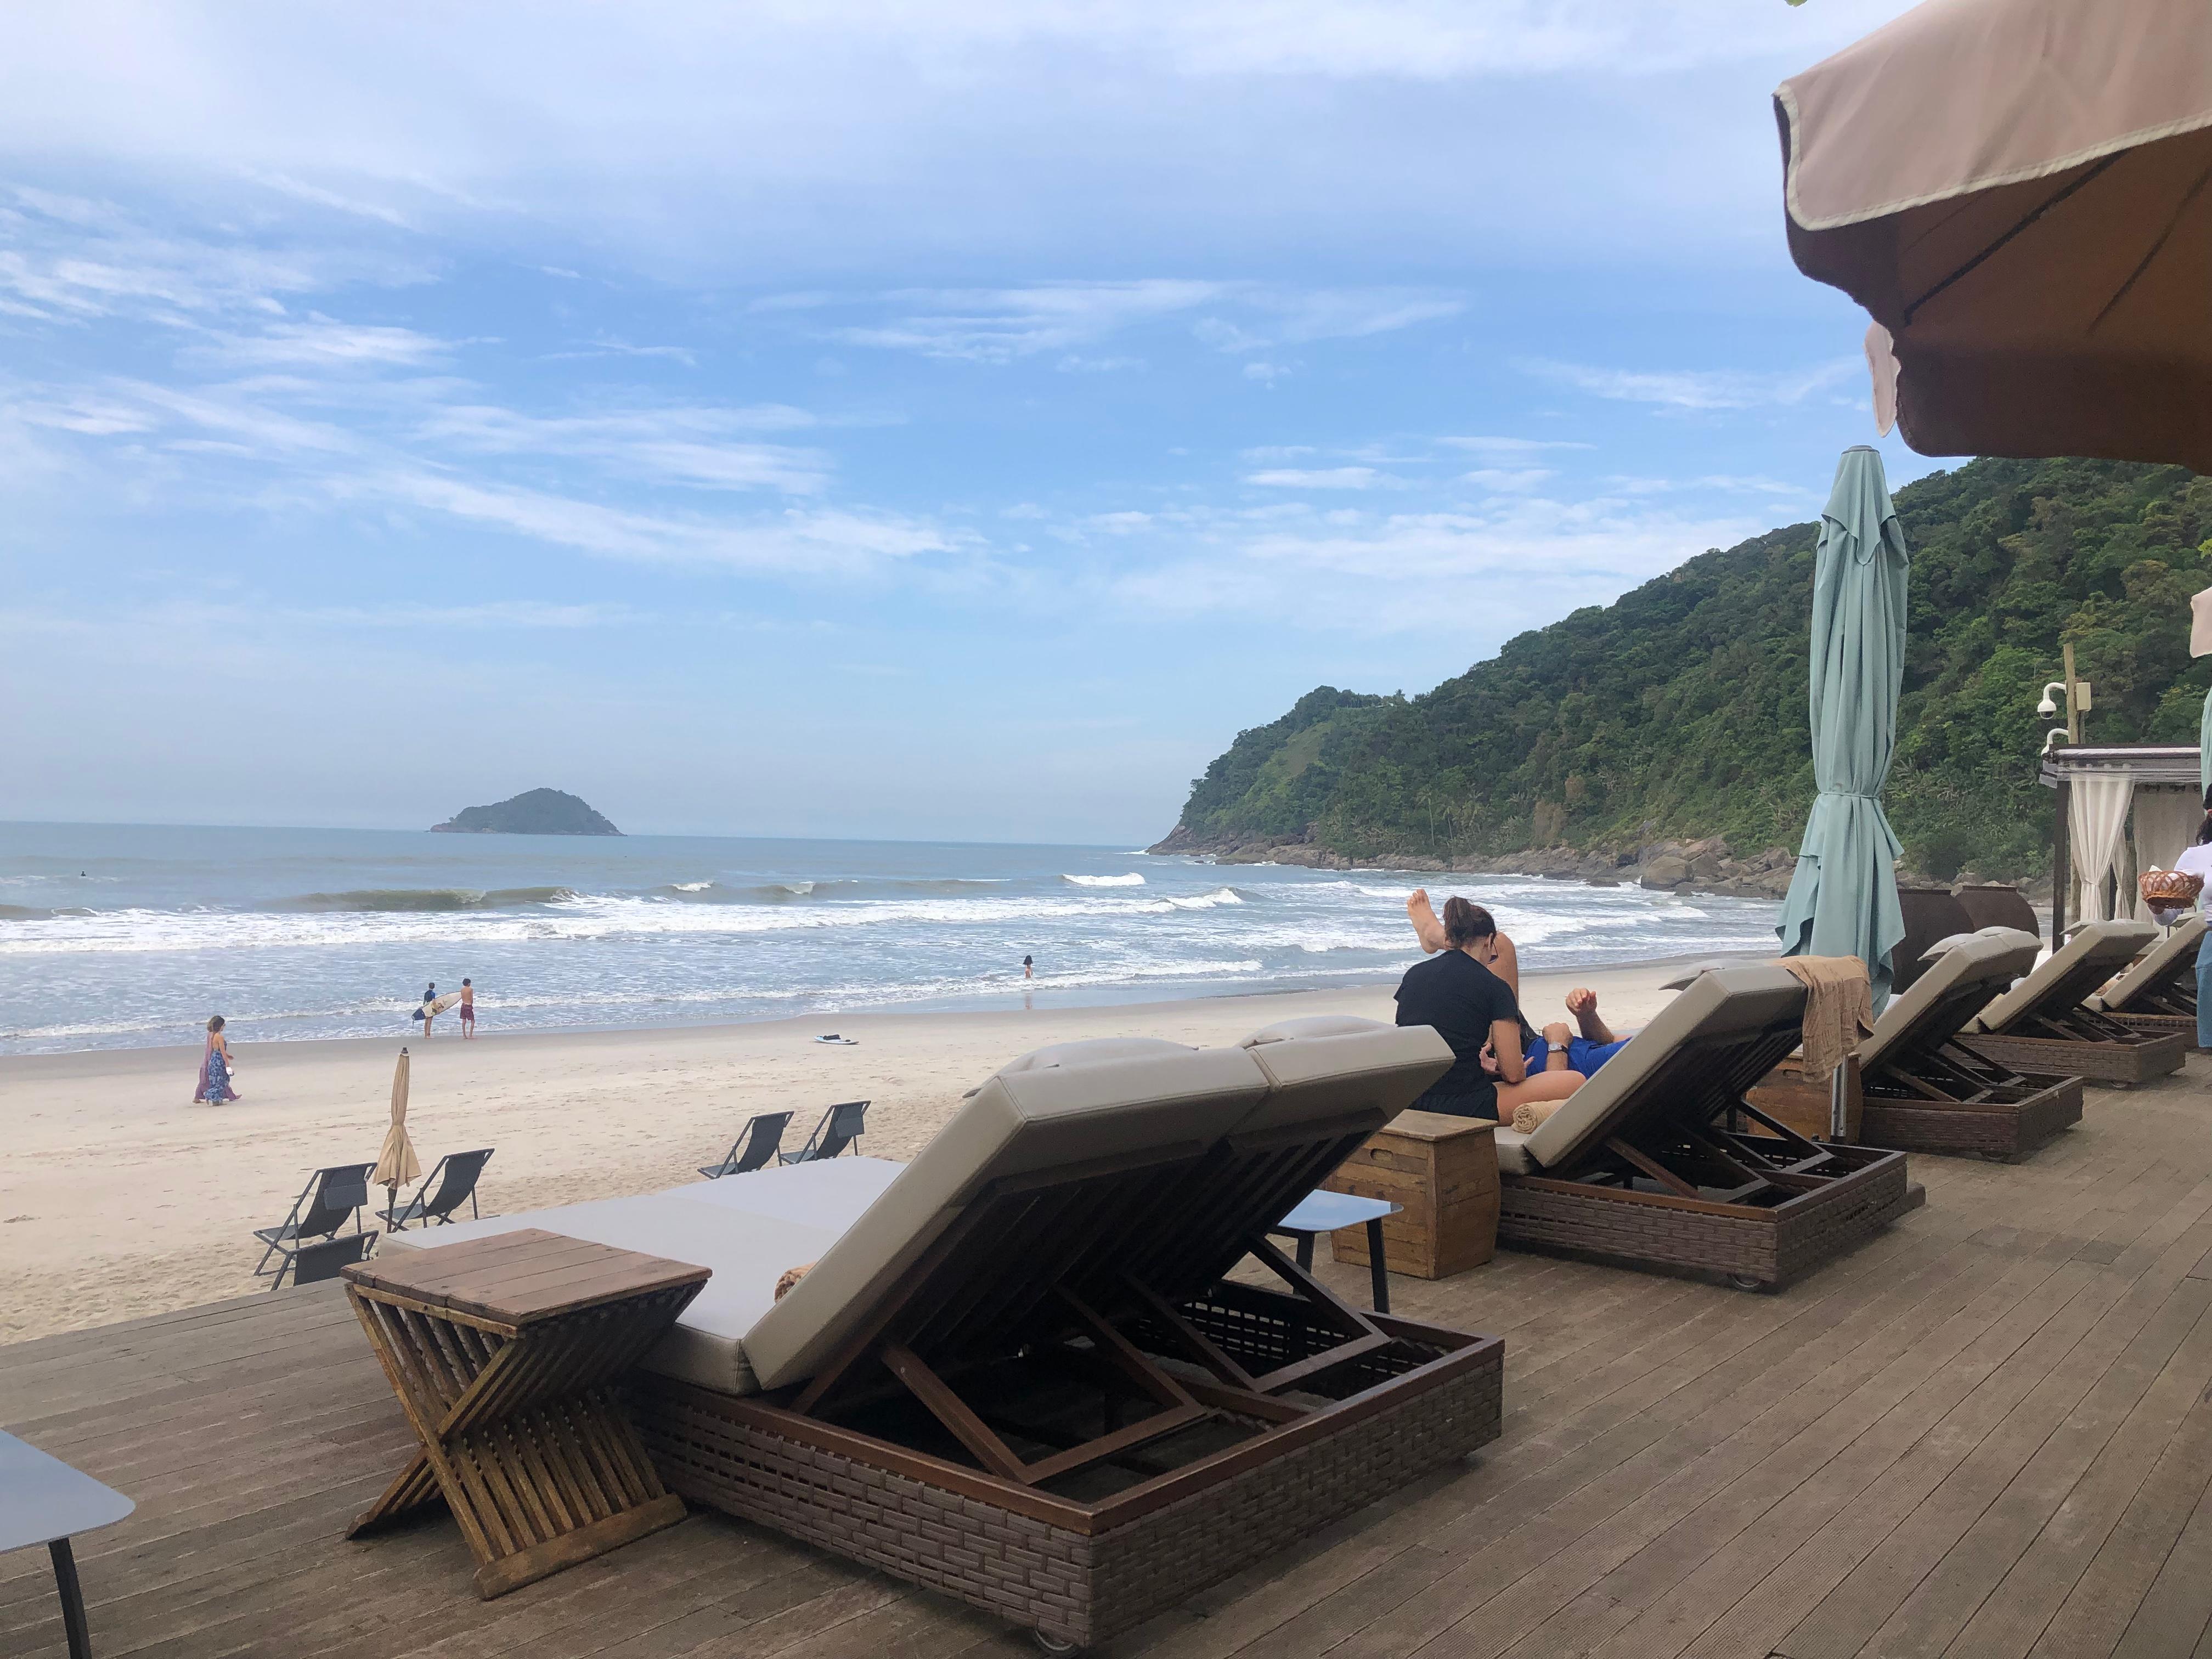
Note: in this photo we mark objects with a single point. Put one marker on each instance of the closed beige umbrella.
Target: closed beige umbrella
(2020, 193)
(397, 1162)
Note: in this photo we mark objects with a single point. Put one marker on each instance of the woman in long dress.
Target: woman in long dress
(215, 1088)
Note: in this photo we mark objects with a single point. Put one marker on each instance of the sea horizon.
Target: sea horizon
(125, 936)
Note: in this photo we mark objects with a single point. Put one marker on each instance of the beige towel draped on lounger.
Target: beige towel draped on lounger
(1838, 1010)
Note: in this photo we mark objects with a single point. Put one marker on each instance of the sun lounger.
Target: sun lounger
(313, 1263)
(1660, 1161)
(2044, 1025)
(840, 1127)
(454, 1181)
(2157, 992)
(1016, 1371)
(1925, 1092)
(331, 1199)
(758, 1144)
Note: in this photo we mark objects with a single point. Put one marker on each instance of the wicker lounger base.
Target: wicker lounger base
(2161, 1025)
(1078, 1569)
(2000, 1129)
(2100, 1063)
(1751, 1246)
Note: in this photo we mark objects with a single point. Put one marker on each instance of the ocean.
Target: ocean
(125, 936)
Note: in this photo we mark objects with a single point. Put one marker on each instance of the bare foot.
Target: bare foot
(1426, 926)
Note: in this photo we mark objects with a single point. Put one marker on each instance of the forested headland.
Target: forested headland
(1679, 711)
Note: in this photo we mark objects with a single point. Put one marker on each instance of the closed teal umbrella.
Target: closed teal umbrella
(2204, 752)
(1842, 899)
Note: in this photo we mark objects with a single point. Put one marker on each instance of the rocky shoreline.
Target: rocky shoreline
(1710, 866)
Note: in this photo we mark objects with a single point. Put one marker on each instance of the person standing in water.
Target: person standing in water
(1029, 967)
(428, 1011)
(468, 1010)
(215, 1088)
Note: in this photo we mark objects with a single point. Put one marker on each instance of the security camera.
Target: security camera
(2046, 709)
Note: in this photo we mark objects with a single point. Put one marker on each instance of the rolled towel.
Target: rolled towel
(1528, 1116)
(791, 1277)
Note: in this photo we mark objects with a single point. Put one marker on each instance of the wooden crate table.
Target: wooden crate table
(1442, 1171)
(506, 1353)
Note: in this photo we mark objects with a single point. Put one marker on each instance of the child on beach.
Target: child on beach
(468, 1010)
(214, 1088)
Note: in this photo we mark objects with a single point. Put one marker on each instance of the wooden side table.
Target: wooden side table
(505, 1353)
(1442, 1171)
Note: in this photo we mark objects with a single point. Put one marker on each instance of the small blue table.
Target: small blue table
(1324, 1212)
(44, 1501)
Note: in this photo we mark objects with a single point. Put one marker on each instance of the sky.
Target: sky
(936, 420)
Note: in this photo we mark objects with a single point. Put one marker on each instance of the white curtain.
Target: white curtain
(2096, 823)
(2165, 821)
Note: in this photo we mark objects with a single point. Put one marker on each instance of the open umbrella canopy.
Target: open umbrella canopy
(1842, 899)
(396, 1163)
(2020, 193)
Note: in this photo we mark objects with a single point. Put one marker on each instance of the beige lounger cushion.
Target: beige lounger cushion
(1018, 1123)
(1362, 1069)
(1715, 1002)
(2152, 965)
(1089, 1051)
(1513, 1150)
(1319, 1025)
(2110, 946)
(1991, 958)
(747, 1229)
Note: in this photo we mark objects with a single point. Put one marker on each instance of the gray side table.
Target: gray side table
(1324, 1212)
(44, 1501)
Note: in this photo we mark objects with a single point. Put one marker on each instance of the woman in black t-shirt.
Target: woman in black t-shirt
(1475, 1012)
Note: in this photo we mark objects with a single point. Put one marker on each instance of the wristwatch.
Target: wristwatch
(1558, 1048)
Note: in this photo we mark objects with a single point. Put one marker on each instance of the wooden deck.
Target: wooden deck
(1988, 1433)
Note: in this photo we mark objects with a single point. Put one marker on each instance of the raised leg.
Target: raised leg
(1381, 1273)
(80, 1639)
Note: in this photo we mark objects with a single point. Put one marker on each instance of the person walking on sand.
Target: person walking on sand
(215, 1088)
(468, 1010)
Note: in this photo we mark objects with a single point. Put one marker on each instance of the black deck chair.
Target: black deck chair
(312, 1263)
(330, 1198)
(761, 1139)
(841, 1127)
(454, 1178)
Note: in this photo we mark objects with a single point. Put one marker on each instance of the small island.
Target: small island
(533, 812)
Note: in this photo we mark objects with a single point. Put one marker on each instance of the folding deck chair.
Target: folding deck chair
(454, 1178)
(312, 1263)
(1016, 1371)
(1661, 1160)
(330, 1199)
(757, 1143)
(1926, 1091)
(841, 1127)
(2044, 1024)
(2158, 992)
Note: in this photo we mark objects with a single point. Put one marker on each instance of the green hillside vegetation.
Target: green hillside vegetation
(1679, 712)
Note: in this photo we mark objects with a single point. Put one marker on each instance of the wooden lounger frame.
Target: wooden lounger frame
(1065, 1414)
(1709, 1183)
(2167, 1006)
(2074, 1040)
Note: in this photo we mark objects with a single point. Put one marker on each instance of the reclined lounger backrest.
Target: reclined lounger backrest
(2095, 951)
(2173, 957)
(1717, 1039)
(1331, 1087)
(1943, 1001)
(1029, 1173)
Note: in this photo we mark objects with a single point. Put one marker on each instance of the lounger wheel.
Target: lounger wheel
(1746, 1282)
(1048, 1643)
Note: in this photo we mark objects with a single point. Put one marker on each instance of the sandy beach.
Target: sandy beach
(118, 1197)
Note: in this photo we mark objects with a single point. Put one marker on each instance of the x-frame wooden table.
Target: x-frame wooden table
(506, 1354)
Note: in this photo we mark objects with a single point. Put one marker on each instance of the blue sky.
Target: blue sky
(904, 420)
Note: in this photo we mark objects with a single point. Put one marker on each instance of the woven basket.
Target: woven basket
(2169, 890)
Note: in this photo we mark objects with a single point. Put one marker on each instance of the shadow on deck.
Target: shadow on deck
(1987, 1433)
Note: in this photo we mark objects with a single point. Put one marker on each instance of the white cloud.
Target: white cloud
(1702, 389)
(321, 342)
(1512, 447)
(996, 325)
(1325, 477)
(691, 446)
(1512, 480)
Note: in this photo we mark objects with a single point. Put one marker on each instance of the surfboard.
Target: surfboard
(451, 1000)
